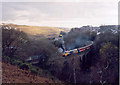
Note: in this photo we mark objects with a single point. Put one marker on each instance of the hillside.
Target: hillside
(12, 74)
(38, 30)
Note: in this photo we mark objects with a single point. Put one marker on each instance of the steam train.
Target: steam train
(78, 50)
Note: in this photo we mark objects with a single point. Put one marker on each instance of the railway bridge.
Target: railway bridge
(75, 56)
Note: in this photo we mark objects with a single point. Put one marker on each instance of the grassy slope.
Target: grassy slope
(13, 74)
(38, 30)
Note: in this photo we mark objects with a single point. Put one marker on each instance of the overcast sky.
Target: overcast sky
(60, 14)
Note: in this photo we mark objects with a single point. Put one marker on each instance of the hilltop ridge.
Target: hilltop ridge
(37, 30)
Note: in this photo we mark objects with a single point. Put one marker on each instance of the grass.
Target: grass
(38, 30)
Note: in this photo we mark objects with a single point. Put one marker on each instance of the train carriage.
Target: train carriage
(78, 50)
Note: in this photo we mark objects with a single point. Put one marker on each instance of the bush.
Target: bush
(18, 62)
(6, 59)
(12, 61)
(24, 66)
(34, 71)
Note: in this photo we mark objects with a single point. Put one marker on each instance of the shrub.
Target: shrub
(34, 71)
(6, 59)
(12, 61)
(24, 66)
(18, 62)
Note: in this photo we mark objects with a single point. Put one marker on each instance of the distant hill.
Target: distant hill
(65, 29)
(38, 30)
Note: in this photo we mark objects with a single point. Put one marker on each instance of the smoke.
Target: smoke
(76, 38)
(78, 42)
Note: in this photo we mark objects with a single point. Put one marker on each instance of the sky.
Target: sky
(60, 13)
